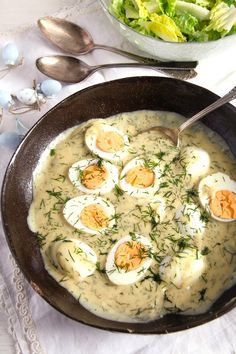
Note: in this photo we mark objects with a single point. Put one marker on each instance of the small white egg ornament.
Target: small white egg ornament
(50, 88)
(6, 100)
(90, 214)
(10, 54)
(217, 194)
(73, 257)
(27, 96)
(129, 259)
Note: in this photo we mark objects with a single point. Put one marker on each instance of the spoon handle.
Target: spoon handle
(231, 95)
(160, 65)
(141, 59)
(163, 67)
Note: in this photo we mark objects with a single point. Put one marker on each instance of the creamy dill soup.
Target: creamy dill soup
(131, 226)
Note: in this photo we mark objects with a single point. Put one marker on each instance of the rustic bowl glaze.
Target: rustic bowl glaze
(100, 101)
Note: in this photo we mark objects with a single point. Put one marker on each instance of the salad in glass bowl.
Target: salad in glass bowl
(177, 20)
(176, 29)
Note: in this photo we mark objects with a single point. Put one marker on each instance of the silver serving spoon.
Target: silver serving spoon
(73, 39)
(174, 134)
(72, 70)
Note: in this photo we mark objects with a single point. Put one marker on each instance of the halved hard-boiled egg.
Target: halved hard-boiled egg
(196, 162)
(73, 257)
(89, 213)
(93, 176)
(217, 194)
(182, 270)
(129, 259)
(139, 179)
(190, 221)
(107, 142)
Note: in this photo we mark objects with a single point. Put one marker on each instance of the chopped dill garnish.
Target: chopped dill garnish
(41, 239)
(163, 185)
(205, 216)
(65, 278)
(154, 276)
(42, 204)
(205, 251)
(150, 164)
(60, 178)
(99, 268)
(61, 238)
(78, 250)
(71, 256)
(52, 152)
(133, 236)
(100, 163)
(57, 195)
(202, 294)
(191, 194)
(160, 155)
(118, 191)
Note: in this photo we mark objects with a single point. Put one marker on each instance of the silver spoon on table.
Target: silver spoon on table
(72, 70)
(174, 134)
(73, 39)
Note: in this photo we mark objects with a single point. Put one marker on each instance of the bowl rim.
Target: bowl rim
(211, 315)
(146, 36)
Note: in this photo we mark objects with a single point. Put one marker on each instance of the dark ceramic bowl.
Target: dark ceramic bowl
(100, 101)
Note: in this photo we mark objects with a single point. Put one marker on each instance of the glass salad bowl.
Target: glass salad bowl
(169, 49)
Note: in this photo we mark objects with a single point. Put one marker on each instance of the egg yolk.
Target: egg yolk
(130, 255)
(140, 177)
(223, 204)
(94, 217)
(110, 141)
(93, 176)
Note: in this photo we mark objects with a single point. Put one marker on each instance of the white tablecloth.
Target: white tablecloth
(34, 326)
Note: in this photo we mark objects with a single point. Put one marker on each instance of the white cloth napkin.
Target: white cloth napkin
(35, 326)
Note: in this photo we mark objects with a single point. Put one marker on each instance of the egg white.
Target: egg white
(209, 185)
(74, 207)
(139, 192)
(189, 220)
(120, 276)
(107, 185)
(196, 162)
(73, 257)
(91, 142)
(182, 271)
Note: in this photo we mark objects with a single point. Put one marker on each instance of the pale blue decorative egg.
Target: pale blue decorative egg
(5, 99)
(10, 54)
(50, 88)
(10, 140)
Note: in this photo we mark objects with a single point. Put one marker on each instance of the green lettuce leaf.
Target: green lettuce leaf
(195, 10)
(187, 23)
(222, 18)
(165, 28)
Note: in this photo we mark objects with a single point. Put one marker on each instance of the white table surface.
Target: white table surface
(218, 75)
